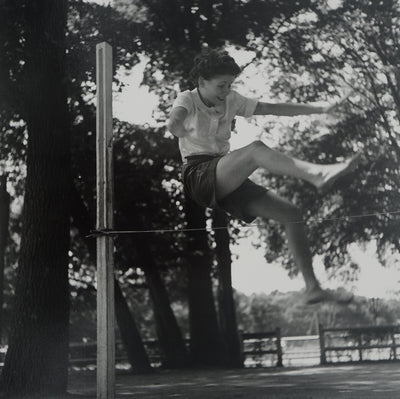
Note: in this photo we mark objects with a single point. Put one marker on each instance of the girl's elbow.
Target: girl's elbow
(169, 126)
(175, 129)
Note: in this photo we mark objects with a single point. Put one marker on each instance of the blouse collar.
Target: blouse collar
(199, 102)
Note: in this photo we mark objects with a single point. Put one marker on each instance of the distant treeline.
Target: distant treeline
(259, 312)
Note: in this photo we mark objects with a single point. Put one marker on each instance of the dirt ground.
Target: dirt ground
(368, 380)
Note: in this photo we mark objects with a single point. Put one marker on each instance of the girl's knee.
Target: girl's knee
(279, 209)
(257, 144)
(258, 151)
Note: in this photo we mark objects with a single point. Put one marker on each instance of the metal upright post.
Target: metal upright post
(105, 244)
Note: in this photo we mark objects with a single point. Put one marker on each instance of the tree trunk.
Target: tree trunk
(169, 334)
(131, 338)
(4, 220)
(130, 335)
(227, 313)
(37, 357)
(207, 346)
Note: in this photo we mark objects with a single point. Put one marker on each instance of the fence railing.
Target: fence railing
(256, 345)
(270, 348)
(85, 353)
(343, 342)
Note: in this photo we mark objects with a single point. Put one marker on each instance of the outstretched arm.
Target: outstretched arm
(175, 122)
(284, 109)
(293, 109)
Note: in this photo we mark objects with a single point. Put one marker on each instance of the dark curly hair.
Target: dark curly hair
(213, 62)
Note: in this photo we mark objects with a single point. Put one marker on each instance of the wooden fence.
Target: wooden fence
(335, 345)
(342, 343)
(254, 346)
(257, 345)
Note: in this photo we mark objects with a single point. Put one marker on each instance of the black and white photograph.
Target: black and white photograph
(199, 199)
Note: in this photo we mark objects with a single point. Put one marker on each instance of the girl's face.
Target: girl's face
(214, 91)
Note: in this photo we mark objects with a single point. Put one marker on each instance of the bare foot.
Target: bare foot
(318, 295)
(330, 173)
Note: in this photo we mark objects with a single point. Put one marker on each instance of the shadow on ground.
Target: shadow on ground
(371, 380)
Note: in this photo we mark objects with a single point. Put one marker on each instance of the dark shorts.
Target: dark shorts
(199, 180)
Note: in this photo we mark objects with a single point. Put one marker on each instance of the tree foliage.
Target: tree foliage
(323, 55)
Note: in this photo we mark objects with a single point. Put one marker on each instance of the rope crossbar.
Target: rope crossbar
(110, 232)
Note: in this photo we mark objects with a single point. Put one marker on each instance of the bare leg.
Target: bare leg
(274, 207)
(236, 166)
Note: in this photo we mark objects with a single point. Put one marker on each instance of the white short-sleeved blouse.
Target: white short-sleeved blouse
(210, 127)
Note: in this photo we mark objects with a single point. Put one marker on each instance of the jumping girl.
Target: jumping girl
(214, 177)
